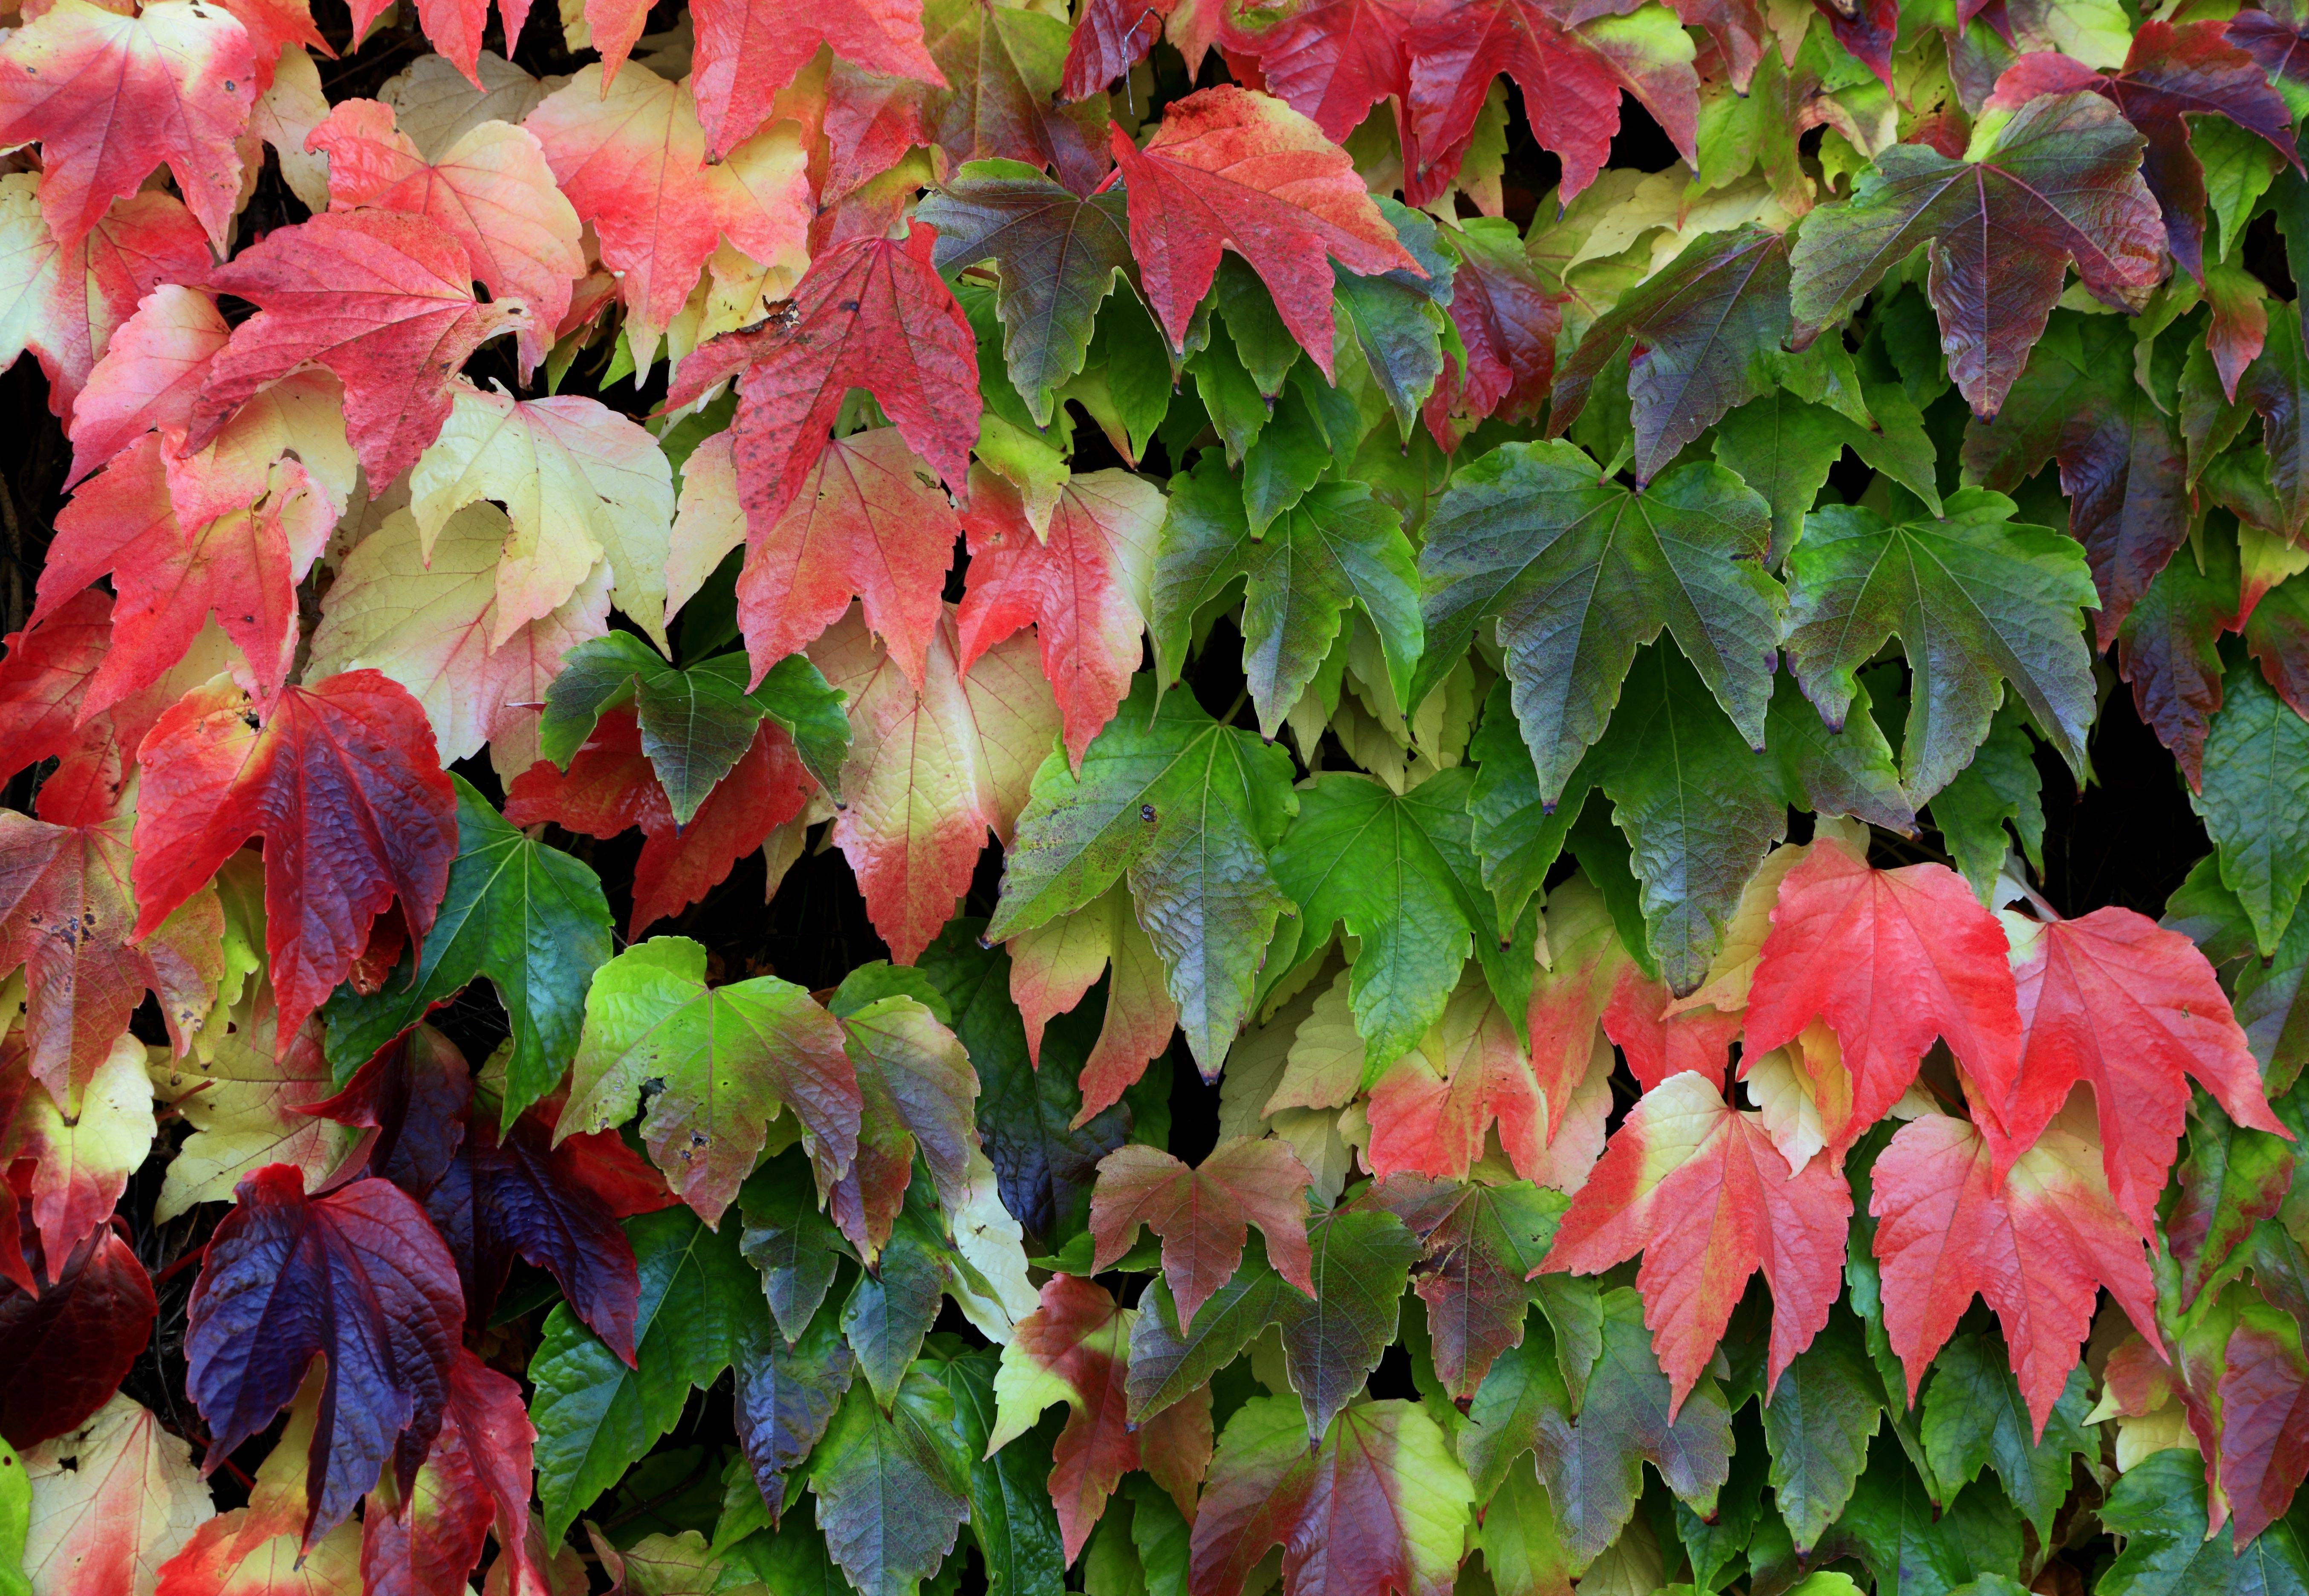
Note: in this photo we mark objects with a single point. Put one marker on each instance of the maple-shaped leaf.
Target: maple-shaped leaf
(1698, 1187)
(2115, 1000)
(1056, 255)
(44, 678)
(169, 579)
(66, 303)
(111, 1503)
(71, 1342)
(1573, 74)
(491, 190)
(932, 770)
(83, 1149)
(389, 1333)
(477, 1478)
(1002, 64)
(68, 916)
(1977, 600)
(724, 1060)
(1231, 168)
(578, 480)
(1890, 959)
(111, 96)
(2061, 183)
(342, 782)
(1330, 60)
(384, 299)
(302, 414)
(611, 786)
(1336, 549)
(892, 1488)
(1708, 324)
(1202, 1213)
(1508, 324)
(920, 1090)
(870, 313)
(1380, 1504)
(150, 374)
(2170, 73)
(2037, 1247)
(870, 522)
(748, 50)
(416, 1093)
(1085, 583)
(530, 918)
(1186, 811)
(1580, 573)
(2121, 458)
(1482, 1242)
(1054, 968)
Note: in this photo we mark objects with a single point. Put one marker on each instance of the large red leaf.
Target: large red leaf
(1203, 1214)
(1699, 1189)
(358, 1277)
(1890, 959)
(1228, 168)
(873, 314)
(73, 1157)
(1507, 323)
(111, 96)
(151, 375)
(1330, 60)
(477, 1476)
(750, 49)
(2038, 1246)
(2115, 1000)
(341, 779)
(64, 1349)
(383, 299)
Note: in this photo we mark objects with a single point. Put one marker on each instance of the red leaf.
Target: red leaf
(2115, 1000)
(2277, 44)
(111, 96)
(1699, 1189)
(151, 375)
(1330, 60)
(454, 27)
(384, 300)
(341, 780)
(1890, 959)
(2038, 1250)
(611, 787)
(1228, 168)
(478, 1474)
(1203, 1214)
(1110, 37)
(1078, 1337)
(2264, 1418)
(415, 1094)
(872, 314)
(1509, 323)
(357, 1276)
(1868, 32)
(65, 1350)
(750, 49)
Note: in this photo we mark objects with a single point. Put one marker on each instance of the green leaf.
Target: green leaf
(1396, 319)
(724, 1061)
(788, 1237)
(1975, 601)
(893, 1489)
(595, 1416)
(1056, 255)
(531, 918)
(797, 696)
(1169, 1362)
(1186, 811)
(2231, 1180)
(1817, 1423)
(695, 725)
(1914, 1547)
(1336, 548)
(2255, 800)
(1784, 446)
(2158, 1507)
(1160, 1536)
(15, 1523)
(1581, 572)
(1011, 1513)
(1719, 1545)
(893, 1306)
(789, 1559)
(1999, 786)
(1263, 343)
(1524, 1387)
(785, 1395)
(1974, 1417)
(1521, 1542)
(1594, 1466)
(1362, 1261)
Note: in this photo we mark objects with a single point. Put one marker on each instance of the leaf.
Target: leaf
(1974, 1417)
(111, 97)
(2037, 1251)
(83, 1150)
(1483, 1242)
(1073, 1348)
(1397, 319)
(1054, 967)
(1934, 965)
(351, 751)
(892, 1489)
(1185, 809)
(1336, 547)
(1379, 1506)
(1331, 61)
(1987, 601)
(2253, 751)
(578, 482)
(530, 918)
(1581, 572)
(1593, 1468)
(67, 918)
(1170, 1362)
(1358, 1264)
(1818, 1418)
(869, 312)
(1914, 1547)
(1002, 65)
(786, 1393)
(595, 1415)
(70, 1344)
(111, 1503)
(722, 1061)
(389, 1335)
(491, 190)
(919, 1090)
(746, 53)
(1575, 75)
(1085, 583)
(790, 1241)
(1233, 168)
(2232, 1179)
(1202, 1213)
(1508, 324)
(932, 770)
(1056, 254)
(384, 300)
(477, 1478)
(2061, 182)
(1709, 326)
(2160, 1507)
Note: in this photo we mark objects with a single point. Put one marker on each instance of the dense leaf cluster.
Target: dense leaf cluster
(1436, 711)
